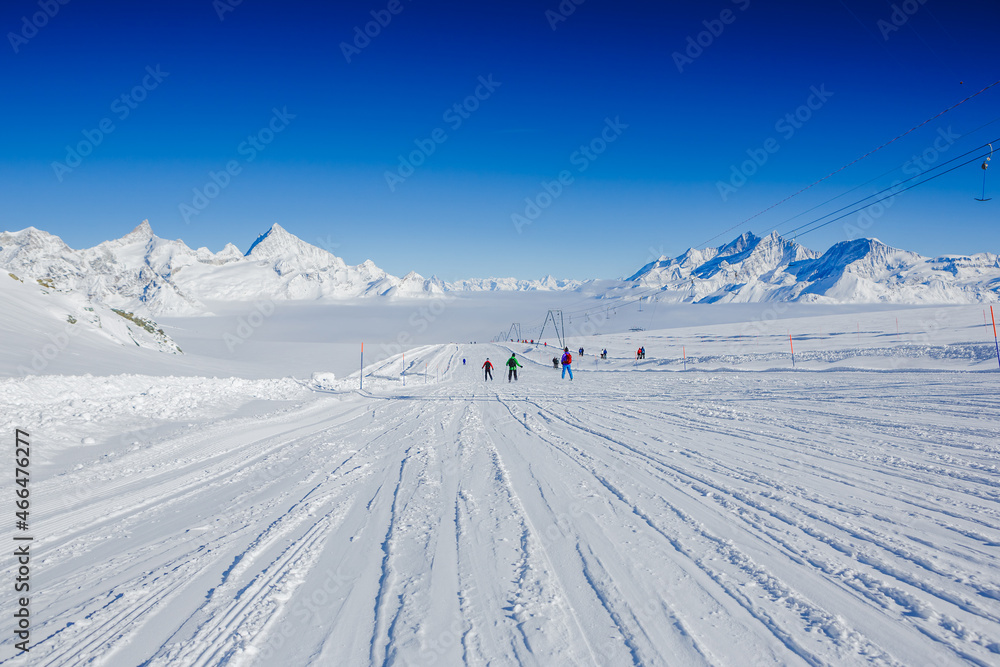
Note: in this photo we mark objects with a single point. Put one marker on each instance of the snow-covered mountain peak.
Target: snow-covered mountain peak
(142, 231)
(279, 245)
(141, 235)
(31, 239)
(750, 268)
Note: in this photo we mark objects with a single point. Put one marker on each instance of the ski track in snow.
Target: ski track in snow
(622, 519)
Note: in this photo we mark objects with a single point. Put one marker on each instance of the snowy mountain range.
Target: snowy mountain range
(754, 269)
(148, 275)
(145, 273)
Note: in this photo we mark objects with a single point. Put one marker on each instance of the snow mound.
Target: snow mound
(324, 381)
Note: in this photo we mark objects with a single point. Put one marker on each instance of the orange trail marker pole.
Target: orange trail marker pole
(684, 352)
(792, 348)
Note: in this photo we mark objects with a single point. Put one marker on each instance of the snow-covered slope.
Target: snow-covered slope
(629, 517)
(754, 269)
(41, 324)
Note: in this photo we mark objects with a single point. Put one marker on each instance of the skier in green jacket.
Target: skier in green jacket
(512, 365)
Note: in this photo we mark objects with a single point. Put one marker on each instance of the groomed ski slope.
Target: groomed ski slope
(646, 518)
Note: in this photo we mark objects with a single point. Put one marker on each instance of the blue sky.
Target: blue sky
(300, 130)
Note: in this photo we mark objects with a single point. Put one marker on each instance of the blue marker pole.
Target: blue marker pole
(361, 383)
(997, 344)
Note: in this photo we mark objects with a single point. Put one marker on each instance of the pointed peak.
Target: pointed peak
(142, 229)
(274, 231)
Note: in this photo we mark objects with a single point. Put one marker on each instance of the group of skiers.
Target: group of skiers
(567, 359)
(513, 364)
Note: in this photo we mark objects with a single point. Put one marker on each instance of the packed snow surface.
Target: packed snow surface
(636, 515)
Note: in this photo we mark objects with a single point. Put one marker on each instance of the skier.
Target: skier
(555, 363)
(604, 353)
(638, 354)
(463, 362)
(512, 366)
(567, 359)
(581, 351)
(488, 368)
(642, 352)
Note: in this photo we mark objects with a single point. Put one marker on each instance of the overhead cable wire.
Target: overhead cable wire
(852, 162)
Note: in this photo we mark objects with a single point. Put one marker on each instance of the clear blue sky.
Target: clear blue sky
(653, 189)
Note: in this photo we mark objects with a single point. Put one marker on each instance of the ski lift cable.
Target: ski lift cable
(861, 208)
(882, 175)
(853, 162)
(660, 289)
(891, 187)
(623, 300)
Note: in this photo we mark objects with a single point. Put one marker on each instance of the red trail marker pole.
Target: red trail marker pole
(792, 348)
(684, 352)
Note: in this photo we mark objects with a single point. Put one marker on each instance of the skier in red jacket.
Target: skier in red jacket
(488, 368)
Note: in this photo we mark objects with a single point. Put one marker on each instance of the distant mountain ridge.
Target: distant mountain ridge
(144, 273)
(753, 269)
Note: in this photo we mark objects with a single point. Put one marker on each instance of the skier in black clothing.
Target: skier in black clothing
(488, 367)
